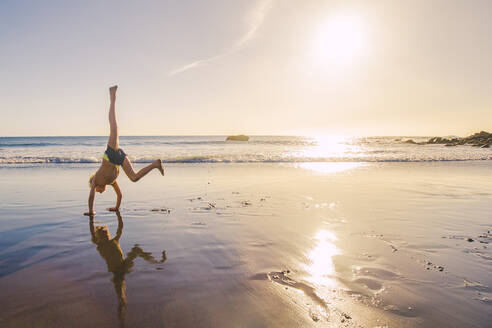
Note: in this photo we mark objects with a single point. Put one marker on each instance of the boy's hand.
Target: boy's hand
(114, 209)
(90, 213)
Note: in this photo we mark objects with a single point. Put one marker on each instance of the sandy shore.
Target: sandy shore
(245, 245)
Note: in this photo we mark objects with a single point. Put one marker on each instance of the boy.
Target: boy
(113, 158)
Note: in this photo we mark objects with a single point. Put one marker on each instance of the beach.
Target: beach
(245, 164)
(282, 244)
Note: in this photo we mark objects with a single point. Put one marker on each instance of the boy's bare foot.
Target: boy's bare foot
(112, 92)
(90, 213)
(158, 163)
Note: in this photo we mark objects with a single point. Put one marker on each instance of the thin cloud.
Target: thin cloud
(255, 20)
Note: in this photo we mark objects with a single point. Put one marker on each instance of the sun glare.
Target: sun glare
(321, 267)
(341, 39)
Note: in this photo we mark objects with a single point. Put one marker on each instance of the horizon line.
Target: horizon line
(225, 135)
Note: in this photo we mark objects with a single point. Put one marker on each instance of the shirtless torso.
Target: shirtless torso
(107, 174)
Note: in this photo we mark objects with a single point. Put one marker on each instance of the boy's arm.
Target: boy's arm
(91, 200)
(119, 232)
(91, 228)
(118, 197)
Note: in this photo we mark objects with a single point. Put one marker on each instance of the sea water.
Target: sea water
(215, 149)
(379, 231)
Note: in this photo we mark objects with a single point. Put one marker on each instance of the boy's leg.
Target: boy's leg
(135, 176)
(113, 141)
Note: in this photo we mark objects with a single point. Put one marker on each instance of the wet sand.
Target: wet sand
(246, 245)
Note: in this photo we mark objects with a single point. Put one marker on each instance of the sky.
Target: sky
(281, 67)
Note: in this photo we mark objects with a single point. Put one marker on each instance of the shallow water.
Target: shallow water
(250, 245)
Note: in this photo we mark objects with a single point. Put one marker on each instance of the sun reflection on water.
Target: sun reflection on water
(321, 268)
(330, 146)
(324, 149)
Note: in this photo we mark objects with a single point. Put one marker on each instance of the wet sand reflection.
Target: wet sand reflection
(321, 267)
(110, 250)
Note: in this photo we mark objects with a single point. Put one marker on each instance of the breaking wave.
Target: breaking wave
(239, 159)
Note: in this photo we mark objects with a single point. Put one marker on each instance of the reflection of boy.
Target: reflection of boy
(111, 252)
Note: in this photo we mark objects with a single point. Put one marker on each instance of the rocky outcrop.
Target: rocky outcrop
(481, 139)
(240, 137)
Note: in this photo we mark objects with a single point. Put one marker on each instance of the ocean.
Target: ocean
(214, 149)
(273, 232)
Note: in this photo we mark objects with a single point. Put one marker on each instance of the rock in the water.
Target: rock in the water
(438, 140)
(240, 137)
(482, 139)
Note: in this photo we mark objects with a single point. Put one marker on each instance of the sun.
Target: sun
(341, 39)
